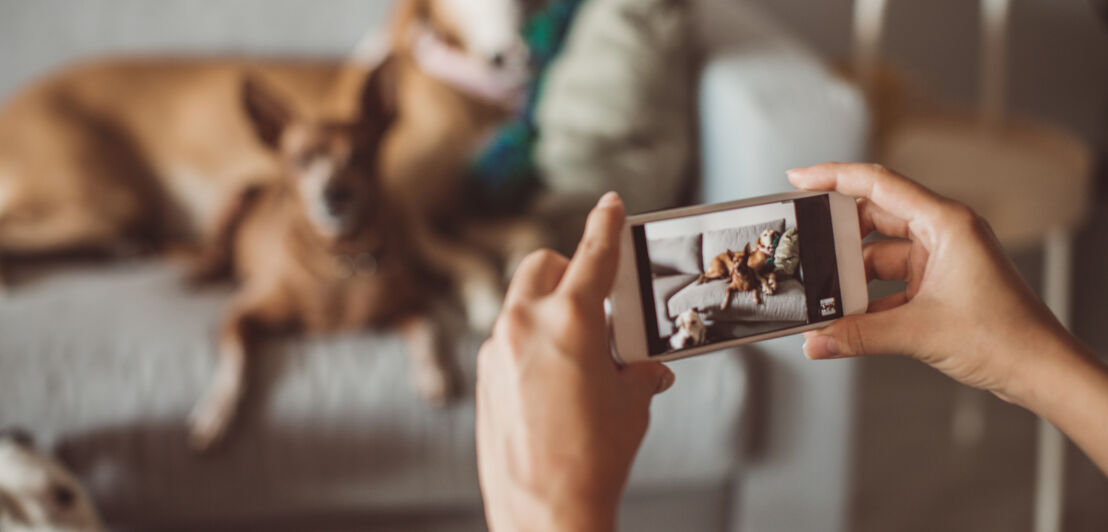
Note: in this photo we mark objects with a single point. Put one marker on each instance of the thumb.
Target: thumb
(650, 378)
(881, 333)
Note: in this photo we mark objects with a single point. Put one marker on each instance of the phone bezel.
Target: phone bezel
(626, 317)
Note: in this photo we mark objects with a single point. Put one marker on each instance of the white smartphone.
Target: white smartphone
(701, 279)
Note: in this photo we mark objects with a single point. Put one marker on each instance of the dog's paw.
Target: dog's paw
(207, 426)
(435, 385)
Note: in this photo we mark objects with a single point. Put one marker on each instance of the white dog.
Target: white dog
(38, 495)
(691, 331)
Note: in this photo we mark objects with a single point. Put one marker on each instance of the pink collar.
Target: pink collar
(507, 90)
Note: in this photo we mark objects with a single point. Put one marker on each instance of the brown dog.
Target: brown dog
(760, 261)
(323, 249)
(112, 151)
(742, 277)
(734, 267)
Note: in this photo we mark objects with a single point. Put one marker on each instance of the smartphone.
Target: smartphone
(701, 279)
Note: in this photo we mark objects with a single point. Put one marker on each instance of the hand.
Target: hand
(966, 311)
(558, 422)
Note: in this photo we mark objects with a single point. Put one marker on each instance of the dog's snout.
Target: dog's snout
(337, 196)
(498, 60)
(18, 436)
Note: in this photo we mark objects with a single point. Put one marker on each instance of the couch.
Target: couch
(677, 263)
(103, 362)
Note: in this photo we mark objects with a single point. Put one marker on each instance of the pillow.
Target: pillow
(786, 258)
(680, 254)
(734, 239)
(617, 106)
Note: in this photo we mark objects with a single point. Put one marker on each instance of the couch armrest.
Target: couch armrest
(768, 104)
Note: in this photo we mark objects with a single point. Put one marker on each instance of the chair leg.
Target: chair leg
(1050, 470)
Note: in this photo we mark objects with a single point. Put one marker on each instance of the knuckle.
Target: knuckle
(963, 218)
(515, 317)
(855, 339)
(596, 246)
(541, 257)
(879, 168)
(569, 314)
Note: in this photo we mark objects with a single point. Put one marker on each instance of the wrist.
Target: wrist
(1053, 365)
(527, 511)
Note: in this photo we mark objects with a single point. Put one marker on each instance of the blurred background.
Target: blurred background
(102, 362)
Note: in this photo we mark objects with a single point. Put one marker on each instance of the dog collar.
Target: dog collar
(507, 90)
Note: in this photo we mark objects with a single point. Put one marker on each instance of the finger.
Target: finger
(592, 270)
(896, 194)
(648, 378)
(881, 333)
(888, 302)
(873, 218)
(537, 275)
(887, 260)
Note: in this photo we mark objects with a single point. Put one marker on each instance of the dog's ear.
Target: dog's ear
(406, 17)
(379, 95)
(268, 113)
(11, 510)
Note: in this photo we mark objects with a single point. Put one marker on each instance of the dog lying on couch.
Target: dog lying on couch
(323, 249)
(747, 271)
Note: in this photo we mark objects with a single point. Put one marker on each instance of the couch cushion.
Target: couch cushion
(664, 288)
(788, 304)
(680, 254)
(716, 242)
(617, 108)
(106, 363)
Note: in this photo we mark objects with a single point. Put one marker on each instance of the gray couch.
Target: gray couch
(104, 361)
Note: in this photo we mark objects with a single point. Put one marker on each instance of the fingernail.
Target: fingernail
(821, 346)
(667, 381)
(608, 200)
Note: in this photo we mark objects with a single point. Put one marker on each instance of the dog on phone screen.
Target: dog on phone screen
(691, 331)
(761, 261)
(321, 250)
(735, 268)
(742, 278)
(37, 494)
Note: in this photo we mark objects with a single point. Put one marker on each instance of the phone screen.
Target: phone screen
(725, 275)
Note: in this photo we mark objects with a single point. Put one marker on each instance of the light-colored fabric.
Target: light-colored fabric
(679, 254)
(664, 288)
(786, 258)
(106, 362)
(617, 109)
(734, 239)
(788, 304)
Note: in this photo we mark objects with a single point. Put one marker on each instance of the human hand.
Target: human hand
(558, 422)
(966, 311)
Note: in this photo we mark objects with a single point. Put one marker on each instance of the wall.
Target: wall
(38, 35)
(1058, 58)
